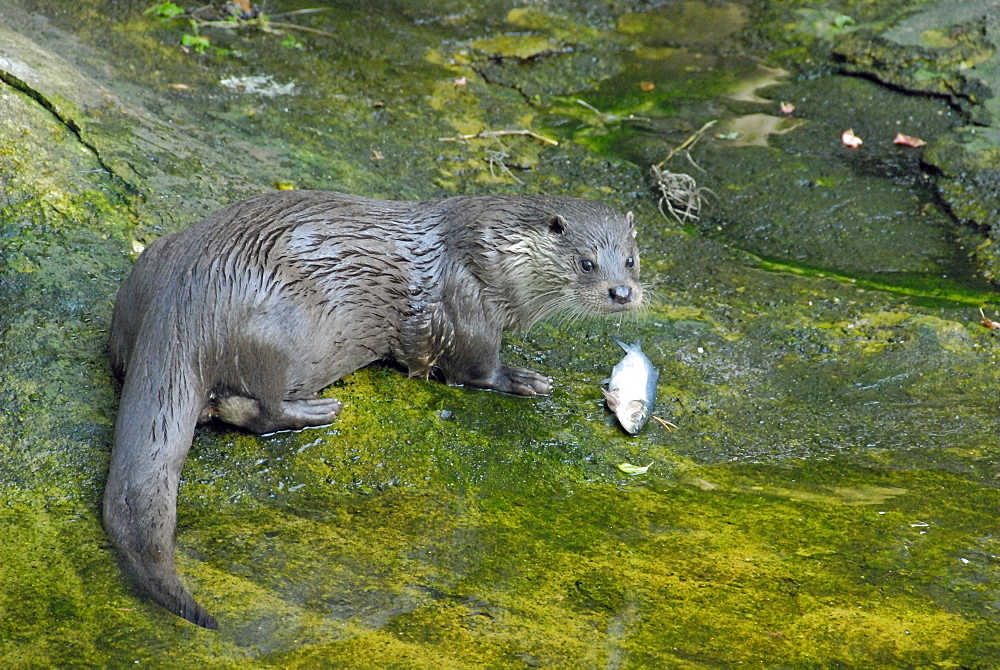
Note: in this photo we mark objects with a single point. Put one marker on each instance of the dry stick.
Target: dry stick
(498, 156)
(610, 118)
(678, 187)
(234, 25)
(688, 143)
(483, 134)
(263, 25)
(294, 26)
(312, 10)
(663, 422)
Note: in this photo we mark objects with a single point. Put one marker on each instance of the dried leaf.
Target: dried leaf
(849, 139)
(908, 141)
(630, 469)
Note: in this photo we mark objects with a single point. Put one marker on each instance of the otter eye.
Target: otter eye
(586, 265)
(630, 262)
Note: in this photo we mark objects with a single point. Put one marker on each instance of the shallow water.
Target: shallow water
(828, 499)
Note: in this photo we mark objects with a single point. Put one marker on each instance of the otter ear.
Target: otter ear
(630, 220)
(557, 224)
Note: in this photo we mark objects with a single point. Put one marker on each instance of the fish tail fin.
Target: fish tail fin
(635, 346)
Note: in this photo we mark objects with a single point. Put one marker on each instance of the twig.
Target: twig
(263, 25)
(293, 26)
(299, 11)
(688, 143)
(679, 193)
(485, 134)
(663, 422)
(609, 118)
(257, 19)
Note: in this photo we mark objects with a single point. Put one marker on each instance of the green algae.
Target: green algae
(922, 289)
(827, 500)
(801, 34)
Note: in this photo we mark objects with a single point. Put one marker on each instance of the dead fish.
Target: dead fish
(631, 391)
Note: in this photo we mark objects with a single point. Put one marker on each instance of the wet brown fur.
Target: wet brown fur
(251, 312)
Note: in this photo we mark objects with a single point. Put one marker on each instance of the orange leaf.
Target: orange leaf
(908, 141)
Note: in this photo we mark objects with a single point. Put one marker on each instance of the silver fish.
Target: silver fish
(631, 391)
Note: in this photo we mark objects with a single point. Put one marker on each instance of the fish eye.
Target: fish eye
(587, 265)
(630, 262)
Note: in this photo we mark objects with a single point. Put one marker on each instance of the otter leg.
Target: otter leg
(260, 417)
(517, 381)
(473, 357)
(478, 365)
(254, 386)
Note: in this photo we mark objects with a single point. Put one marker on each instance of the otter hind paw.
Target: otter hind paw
(288, 415)
(312, 411)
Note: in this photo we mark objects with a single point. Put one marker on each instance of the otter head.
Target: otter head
(605, 273)
(542, 255)
(567, 255)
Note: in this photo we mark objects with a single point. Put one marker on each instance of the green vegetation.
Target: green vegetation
(828, 499)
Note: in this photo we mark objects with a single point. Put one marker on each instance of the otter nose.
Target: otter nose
(620, 294)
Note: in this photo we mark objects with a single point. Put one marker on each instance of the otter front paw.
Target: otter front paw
(516, 381)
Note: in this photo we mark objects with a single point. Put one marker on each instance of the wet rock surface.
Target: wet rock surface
(829, 498)
(948, 49)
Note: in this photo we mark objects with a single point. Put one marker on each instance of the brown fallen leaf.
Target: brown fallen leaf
(908, 141)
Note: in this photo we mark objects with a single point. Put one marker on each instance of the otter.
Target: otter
(248, 314)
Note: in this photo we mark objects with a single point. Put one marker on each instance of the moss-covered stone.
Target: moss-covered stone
(947, 49)
(827, 499)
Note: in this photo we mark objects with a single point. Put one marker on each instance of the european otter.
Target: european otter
(251, 312)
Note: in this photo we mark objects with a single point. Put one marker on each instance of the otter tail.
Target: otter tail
(160, 404)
